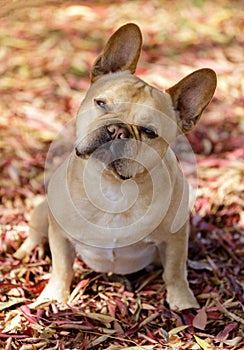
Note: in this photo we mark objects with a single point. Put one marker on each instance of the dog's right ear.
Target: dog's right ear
(121, 52)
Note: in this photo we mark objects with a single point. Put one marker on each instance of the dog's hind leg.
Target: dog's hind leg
(38, 230)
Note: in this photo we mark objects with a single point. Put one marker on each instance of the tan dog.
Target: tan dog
(120, 200)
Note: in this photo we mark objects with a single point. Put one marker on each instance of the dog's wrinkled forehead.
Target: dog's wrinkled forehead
(122, 87)
(124, 97)
(124, 92)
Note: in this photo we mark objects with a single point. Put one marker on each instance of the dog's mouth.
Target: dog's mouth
(118, 169)
(115, 147)
(113, 157)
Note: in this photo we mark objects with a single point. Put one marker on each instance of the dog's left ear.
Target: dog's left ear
(192, 95)
(121, 52)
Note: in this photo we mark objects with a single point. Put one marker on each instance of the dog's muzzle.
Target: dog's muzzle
(101, 136)
(108, 144)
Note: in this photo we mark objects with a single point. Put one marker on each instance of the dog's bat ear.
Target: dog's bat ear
(191, 96)
(121, 52)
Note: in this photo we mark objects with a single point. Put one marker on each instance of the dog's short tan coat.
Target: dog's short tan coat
(151, 222)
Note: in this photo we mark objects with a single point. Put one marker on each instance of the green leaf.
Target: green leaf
(178, 329)
(101, 317)
(97, 341)
(204, 345)
(137, 311)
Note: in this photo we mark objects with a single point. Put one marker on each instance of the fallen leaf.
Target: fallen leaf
(223, 335)
(12, 323)
(143, 347)
(204, 345)
(11, 302)
(200, 320)
(177, 329)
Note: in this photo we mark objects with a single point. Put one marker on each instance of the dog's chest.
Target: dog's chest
(125, 207)
(102, 213)
(115, 207)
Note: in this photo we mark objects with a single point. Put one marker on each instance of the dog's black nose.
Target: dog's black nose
(118, 131)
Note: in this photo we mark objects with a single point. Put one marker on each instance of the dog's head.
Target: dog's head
(122, 117)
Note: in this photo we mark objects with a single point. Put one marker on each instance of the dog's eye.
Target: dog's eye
(149, 132)
(100, 103)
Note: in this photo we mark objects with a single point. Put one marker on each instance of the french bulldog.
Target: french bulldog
(120, 200)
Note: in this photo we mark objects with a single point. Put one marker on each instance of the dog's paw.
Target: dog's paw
(53, 292)
(39, 303)
(44, 300)
(181, 299)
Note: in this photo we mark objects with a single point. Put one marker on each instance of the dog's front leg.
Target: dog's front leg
(173, 255)
(63, 254)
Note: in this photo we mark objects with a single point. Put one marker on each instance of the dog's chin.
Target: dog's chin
(121, 174)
